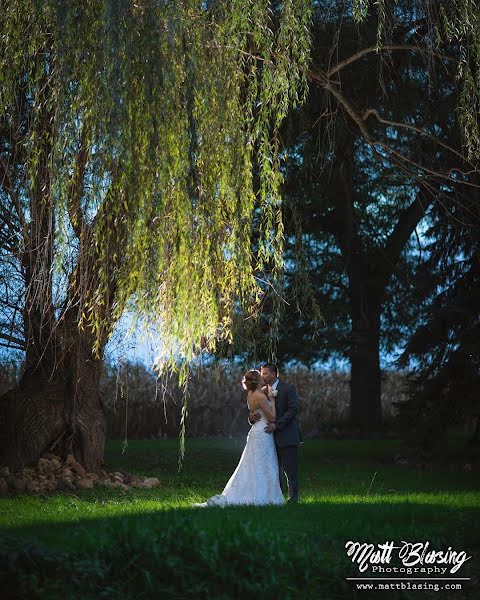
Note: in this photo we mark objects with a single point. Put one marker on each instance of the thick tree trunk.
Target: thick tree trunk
(369, 271)
(33, 416)
(365, 303)
(84, 405)
(63, 415)
(365, 378)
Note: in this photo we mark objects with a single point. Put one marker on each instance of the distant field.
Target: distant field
(145, 543)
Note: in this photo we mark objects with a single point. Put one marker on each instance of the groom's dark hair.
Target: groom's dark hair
(271, 367)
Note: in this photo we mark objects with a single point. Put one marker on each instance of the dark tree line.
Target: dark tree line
(382, 207)
(444, 345)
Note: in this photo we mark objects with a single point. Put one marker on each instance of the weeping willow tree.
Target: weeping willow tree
(139, 144)
(449, 22)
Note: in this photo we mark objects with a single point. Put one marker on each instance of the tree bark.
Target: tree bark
(63, 414)
(365, 304)
(365, 378)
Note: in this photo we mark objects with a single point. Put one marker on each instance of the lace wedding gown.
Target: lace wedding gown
(256, 478)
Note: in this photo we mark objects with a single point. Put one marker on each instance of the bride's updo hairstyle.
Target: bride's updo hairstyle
(251, 380)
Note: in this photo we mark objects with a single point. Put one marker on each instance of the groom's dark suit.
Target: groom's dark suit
(287, 435)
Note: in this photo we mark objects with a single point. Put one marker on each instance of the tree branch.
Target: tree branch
(375, 113)
(77, 184)
(20, 344)
(321, 79)
(388, 47)
(447, 175)
(6, 182)
(404, 228)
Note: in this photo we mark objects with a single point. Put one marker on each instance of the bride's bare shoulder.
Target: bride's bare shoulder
(253, 398)
(256, 397)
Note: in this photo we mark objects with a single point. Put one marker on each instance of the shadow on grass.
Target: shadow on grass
(352, 517)
(289, 552)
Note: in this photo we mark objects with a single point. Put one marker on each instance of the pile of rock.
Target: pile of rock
(51, 473)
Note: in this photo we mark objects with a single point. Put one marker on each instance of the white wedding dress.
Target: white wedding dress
(256, 478)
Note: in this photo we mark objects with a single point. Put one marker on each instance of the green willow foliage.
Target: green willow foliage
(177, 104)
(452, 21)
(461, 24)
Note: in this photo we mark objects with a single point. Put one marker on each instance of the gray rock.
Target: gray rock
(3, 487)
(50, 485)
(18, 484)
(63, 473)
(30, 486)
(70, 459)
(106, 482)
(44, 465)
(78, 468)
(120, 485)
(84, 484)
(140, 484)
(65, 484)
(56, 464)
(150, 482)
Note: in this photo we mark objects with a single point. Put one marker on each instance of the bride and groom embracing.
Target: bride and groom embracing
(272, 444)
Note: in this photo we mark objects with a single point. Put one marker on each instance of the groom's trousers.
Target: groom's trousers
(288, 464)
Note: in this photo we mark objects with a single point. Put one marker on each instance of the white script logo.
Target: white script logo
(411, 555)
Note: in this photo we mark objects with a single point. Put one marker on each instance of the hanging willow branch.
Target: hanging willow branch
(158, 112)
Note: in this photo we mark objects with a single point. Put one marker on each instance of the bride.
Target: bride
(256, 478)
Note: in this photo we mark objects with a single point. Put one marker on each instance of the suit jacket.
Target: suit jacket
(287, 432)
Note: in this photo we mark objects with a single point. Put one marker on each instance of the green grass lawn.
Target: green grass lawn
(153, 543)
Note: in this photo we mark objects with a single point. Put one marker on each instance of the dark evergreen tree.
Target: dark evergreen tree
(445, 383)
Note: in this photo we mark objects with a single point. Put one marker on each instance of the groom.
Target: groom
(285, 428)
